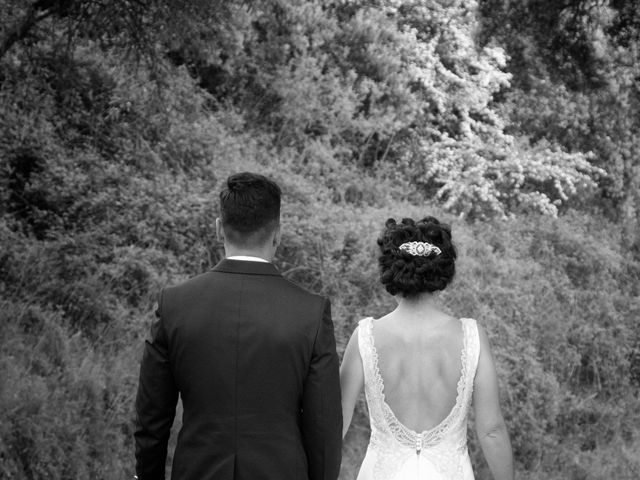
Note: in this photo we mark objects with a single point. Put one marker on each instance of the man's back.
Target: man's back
(253, 357)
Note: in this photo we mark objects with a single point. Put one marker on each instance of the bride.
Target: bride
(422, 369)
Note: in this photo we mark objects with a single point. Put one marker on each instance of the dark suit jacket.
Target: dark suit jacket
(254, 360)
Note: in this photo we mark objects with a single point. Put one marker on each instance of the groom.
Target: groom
(252, 356)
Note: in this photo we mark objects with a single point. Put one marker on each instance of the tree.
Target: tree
(135, 26)
(457, 147)
(575, 67)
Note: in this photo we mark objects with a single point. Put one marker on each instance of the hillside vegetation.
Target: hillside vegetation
(515, 122)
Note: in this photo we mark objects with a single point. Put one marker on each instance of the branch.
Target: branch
(386, 151)
(36, 12)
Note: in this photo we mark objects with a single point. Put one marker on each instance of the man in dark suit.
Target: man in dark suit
(252, 356)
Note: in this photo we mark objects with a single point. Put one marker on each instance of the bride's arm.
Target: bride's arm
(490, 426)
(351, 380)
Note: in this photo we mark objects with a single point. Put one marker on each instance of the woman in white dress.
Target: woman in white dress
(422, 369)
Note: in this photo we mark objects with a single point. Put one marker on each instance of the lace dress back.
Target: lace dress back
(396, 452)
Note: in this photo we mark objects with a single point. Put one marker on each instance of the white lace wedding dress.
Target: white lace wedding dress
(396, 452)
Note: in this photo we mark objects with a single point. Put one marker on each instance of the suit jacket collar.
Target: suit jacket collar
(244, 267)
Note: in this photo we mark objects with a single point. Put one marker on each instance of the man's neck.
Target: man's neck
(231, 251)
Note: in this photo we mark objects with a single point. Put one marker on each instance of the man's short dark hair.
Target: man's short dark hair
(249, 208)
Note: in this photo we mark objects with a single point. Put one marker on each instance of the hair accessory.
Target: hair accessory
(420, 249)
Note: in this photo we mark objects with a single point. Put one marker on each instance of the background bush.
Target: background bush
(118, 129)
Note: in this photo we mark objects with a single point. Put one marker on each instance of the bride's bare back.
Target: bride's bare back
(420, 365)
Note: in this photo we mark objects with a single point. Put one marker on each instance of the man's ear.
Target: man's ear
(219, 230)
(277, 236)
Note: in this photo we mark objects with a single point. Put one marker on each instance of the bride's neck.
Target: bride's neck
(417, 307)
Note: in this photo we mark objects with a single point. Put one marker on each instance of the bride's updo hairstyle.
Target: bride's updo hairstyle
(407, 274)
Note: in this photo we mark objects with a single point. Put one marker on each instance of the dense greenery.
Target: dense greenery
(514, 121)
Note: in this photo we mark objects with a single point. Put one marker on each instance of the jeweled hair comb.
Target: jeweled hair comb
(420, 249)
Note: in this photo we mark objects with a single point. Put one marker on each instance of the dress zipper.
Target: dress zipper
(418, 444)
(418, 450)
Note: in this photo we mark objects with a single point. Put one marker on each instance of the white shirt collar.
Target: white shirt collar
(248, 258)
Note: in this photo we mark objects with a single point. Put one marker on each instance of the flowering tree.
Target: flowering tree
(461, 152)
(575, 72)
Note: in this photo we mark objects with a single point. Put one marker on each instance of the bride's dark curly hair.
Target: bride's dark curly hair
(408, 275)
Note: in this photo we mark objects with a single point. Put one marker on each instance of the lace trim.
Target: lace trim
(403, 434)
(445, 444)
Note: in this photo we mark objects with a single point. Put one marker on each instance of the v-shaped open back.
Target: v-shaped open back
(460, 386)
(441, 449)
(374, 386)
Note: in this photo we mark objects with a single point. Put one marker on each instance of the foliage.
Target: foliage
(361, 111)
(388, 87)
(575, 76)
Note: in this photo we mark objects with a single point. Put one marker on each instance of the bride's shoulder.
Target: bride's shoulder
(362, 325)
(477, 330)
(470, 322)
(365, 320)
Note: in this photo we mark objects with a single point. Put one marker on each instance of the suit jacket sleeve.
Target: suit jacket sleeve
(155, 404)
(321, 406)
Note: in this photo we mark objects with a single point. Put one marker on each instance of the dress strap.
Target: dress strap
(365, 346)
(471, 353)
